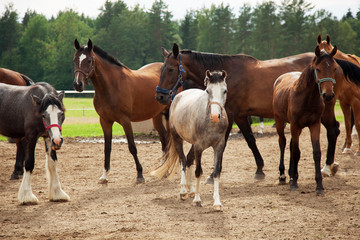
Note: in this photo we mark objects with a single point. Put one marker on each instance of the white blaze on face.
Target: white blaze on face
(53, 112)
(217, 93)
(81, 59)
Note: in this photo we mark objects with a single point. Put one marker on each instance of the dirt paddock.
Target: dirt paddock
(121, 209)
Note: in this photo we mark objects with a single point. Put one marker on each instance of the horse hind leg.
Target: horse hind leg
(158, 125)
(198, 173)
(347, 120)
(282, 145)
(56, 193)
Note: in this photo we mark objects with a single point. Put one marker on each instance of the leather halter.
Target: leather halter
(91, 69)
(321, 80)
(217, 103)
(174, 90)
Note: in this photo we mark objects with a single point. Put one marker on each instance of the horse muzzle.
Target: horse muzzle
(162, 98)
(56, 143)
(328, 96)
(215, 118)
(78, 86)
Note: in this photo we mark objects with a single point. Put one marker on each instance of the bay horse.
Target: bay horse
(121, 95)
(349, 97)
(27, 113)
(250, 83)
(299, 99)
(198, 117)
(15, 78)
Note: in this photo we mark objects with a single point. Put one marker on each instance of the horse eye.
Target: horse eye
(225, 91)
(171, 70)
(207, 91)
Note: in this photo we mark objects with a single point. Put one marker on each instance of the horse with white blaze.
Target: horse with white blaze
(28, 113)
(198, 117)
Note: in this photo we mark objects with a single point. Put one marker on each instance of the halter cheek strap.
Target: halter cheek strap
(47, 128)
(91, 70)
(319, 81)
(174, 90)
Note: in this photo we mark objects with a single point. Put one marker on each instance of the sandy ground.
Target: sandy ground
(121, 209)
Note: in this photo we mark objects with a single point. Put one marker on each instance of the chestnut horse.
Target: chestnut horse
(198, 117)
(121, 95)
(299, 99)
(250, 84)
(14, 78)
(349, 97)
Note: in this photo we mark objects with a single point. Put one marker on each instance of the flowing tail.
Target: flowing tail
(170, 161)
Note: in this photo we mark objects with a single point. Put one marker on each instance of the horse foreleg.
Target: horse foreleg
(132, 148)
(198, 173)
(347, 120)
(356, 116)
(218, 156)
(282, 145)
(245, 128)
(55, 191)
(158, 125)
(25, 194)
(295, 157)
(19, 164)
(107, 130)
(333, 131)
(315, 136)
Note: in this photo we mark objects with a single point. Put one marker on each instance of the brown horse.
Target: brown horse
(299, 99)
(15, 78)
(121, 95)
(349, 97)
(250, 83)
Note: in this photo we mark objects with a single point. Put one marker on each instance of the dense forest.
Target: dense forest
(43, 48)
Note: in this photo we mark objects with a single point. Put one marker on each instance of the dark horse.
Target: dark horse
(15, 78)
(299, 99)
(27, 113)
(250, 83)
(121, 95)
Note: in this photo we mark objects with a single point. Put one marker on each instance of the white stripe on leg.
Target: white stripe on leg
(25, 195)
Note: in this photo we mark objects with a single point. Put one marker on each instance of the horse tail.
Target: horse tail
(351, 71)
(170, 161)
(27, 80)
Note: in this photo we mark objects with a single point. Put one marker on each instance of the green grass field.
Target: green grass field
(83, 121)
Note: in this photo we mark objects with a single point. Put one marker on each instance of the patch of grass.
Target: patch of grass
(89, 130)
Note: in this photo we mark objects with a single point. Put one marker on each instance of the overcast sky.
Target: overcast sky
(178, 7)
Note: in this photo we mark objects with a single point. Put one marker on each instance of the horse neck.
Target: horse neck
(195, 70)
(103, 77)
(306, 82)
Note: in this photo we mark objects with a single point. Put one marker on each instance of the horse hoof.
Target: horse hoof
(294, 187)
(347, 151)
(282, 180)
(140, 180)
(218, 208)
(103, 181)
(14, 177)
(184, 196)
(334, 168)
(319, 191)
(259, 176)
(192, 195)
(197, 204)
(209, 180)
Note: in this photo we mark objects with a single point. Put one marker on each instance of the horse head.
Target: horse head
(84, 63)
(325, 44)
(325, 67)
(51, 108)
(216, 89)
(172, 74)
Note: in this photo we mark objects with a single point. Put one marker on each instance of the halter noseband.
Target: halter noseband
(47, 128)
(319, 81)
(174, 90)
(91, 70)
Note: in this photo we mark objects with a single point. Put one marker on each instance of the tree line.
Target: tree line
(43, 48)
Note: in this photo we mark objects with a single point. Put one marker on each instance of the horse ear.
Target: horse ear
(76, 44)
(164, 52)
(328, 39)
(61, 95)
(175, 50)
(207, 76)
(333, 52)
(224, 74)
(317, 51)
(36, 100)
(319, 38)
(90, 44)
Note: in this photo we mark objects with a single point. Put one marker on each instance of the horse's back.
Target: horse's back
(11, 77)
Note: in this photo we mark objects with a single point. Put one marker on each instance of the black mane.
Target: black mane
(104, 55)
(50, 99)
(351, 71)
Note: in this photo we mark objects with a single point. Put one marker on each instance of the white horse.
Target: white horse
(198, 117)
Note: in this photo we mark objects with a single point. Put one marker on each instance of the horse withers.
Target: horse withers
(198, 117)
(28, 113)
(299, 98)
